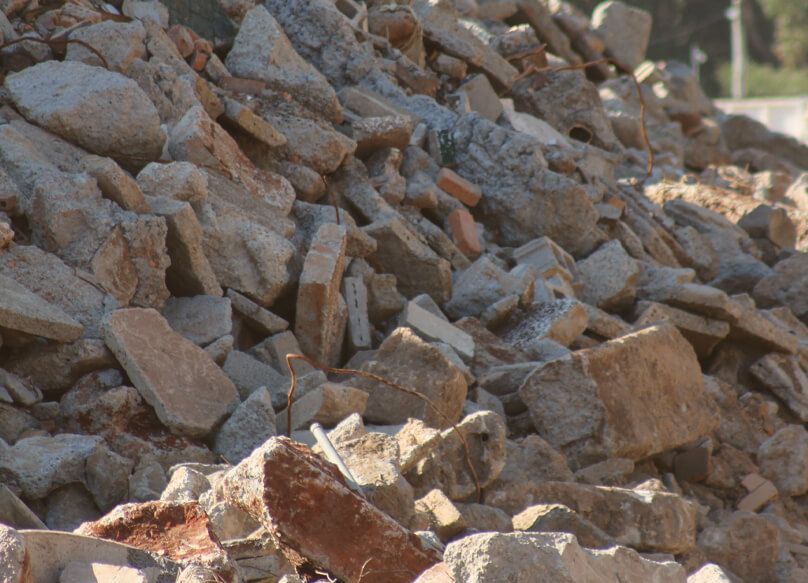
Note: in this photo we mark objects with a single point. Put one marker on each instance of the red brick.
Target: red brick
(198, 60)
(318, 522)
(464, 232)
(460, 188)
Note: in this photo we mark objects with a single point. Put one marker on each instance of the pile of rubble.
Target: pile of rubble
(570, 369)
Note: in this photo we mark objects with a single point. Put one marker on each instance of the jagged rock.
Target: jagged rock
(559, 518)
(23, 311)
(177, 180)
(577, 404)
(788, 286)
(521, 199)
(250, 425)
(14, 556)
(285, 487)
(262, 51)
(405, 359)
(625, 31)
(189, 393)
(102, 111)
(120, 43)
(546, 557)
(561, 321)
(744, 543)
(200, 319)
(608, 277)
(786, 377)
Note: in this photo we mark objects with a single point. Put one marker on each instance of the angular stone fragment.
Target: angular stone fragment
(23, 311)
(787, 378)
(631, 397)
(447, 468)
(560, 320)
(355, 293)
(15, 560)
(262, 51)
(321, 311)
(257, 127)
(440, 515)
(405, 359)
(249, 374)
(783, 458)
(250, 425)
(693, 297)
(703, 333)
(190, 394)
(746, 544)
(264, 321)
(550, 558)
(120, 43)
(460, 188)
(483, 284)
(547, 257)
(104, 112)
(200, 319)
(417, 268)
(318, 521)
(625, 31)
(608, 277)
(179, 530)
(376, 133)
(774, 224)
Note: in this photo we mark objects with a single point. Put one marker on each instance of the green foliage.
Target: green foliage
(791, 30)
(765, 81)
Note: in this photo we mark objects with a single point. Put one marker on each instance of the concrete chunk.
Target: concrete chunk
(189, 393)
(23, 311)
(435, 328)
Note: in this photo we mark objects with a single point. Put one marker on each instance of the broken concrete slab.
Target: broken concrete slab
(783, 458)
(435, 328)
(703, 333)
(200, 319)
(250, 425)
(560, 320)
(328, 404)
(602, 423)
(23, 311)
(280, 472)
(625, 31)
(190, 394)
(608, 277)
(786, 377)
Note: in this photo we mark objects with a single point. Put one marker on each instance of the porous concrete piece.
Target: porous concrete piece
(560, 518)
(549, 558)
(102, 111)
(405, 359)
(262, 51)
(355, 293)
(783, 458)
(264, 321)
(702, 332)
(250, 425)
(321, 311)
(376, 133)
(286, 487)
(23, 311)
(328, 404)
(189, 393)
(549, 258)
(560, 320)
(608, 277)
(200, 319)
(631, 397)
(14, 556)
(249, 374)
(624, 30)
(417, 268)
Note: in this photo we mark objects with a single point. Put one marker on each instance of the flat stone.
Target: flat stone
(120, 43)
(115, 183)
(609, 401)
(264, 321)
(248, 374)
(291, 491)
(560, 518)
(560, 320)
(23, 311)
(786, 377)
(625, 31)
(200, 319)
(405, 359)
(435, 328)
(102, 111)
(355, 293)
(14, 512)
(190, 394)
(178, 180)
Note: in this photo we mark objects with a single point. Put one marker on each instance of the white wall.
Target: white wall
(788, 115)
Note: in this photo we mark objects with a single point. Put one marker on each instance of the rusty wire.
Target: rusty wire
(649, 168)
(58, 44)
(374, 377)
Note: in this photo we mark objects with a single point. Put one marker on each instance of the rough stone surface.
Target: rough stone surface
(189, 393)
(250, 425)
(608, 277)
(95, 108)
(747, 544)
(24, 311)
(783, 458)
(589, 405)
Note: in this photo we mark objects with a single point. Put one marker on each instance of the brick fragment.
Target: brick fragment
(460, 188)
(464, 233)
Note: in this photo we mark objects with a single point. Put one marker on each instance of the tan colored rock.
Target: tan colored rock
(560, 518)
(328, 404)
(560, 320)
(440, 515)
(787, 378)
(409, 361)
(702, 332)
(115, 183)
(190, 394)
(783, 458)
(321, 313)
(746, 544)
(787, 286)
(631, 397)
(318, 521)
(15, 559)
(23, 311)
(608, 277)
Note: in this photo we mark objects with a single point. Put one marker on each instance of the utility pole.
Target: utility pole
(735, 16)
